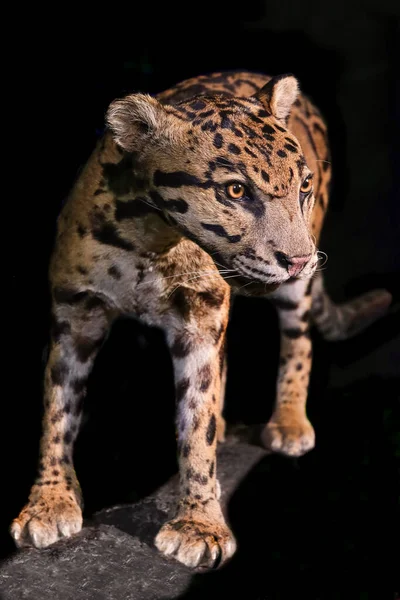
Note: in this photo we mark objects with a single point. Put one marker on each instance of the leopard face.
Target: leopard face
(228, 174)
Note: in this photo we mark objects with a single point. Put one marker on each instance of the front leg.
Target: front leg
(289, 430)
(80, 324)
(198, 535)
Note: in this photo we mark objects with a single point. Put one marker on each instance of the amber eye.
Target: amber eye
(235, 190)
(306, 186)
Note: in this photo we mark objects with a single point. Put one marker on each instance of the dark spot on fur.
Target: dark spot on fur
(211, 471)
(213, 298)
(265, 175)
(79, 385)
(218, 140)
(181, 389)
(202, 479)
(107, 233)
(294, 333)
(197, 105)
(114, 272)
(58, 373)
(290, 147)
(186, 450)
(205, 378)
(182, 345)
(299, 366)
(57, 416)
(85, 347)
(181, 303)
(250, 153)
(233, 149)
(67, 437)
(211, 430)
(59, 328)
(121, 177)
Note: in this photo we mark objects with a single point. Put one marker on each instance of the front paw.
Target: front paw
(49, 515)
(290, 436)
(196, 541)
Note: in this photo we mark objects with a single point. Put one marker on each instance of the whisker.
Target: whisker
(324, 254)
(219, 264)
(245, 285)
(213, 274)
(148, 203)
(176, 275)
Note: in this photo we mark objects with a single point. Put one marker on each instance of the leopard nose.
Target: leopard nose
(293, 264)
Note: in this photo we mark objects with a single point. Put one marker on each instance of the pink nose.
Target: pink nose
(297, 264)
(293, 264)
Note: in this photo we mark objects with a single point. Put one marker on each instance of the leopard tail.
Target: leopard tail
(342, 321)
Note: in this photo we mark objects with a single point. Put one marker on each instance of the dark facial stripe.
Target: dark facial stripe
(221, 232)
(139, 207)
(175, 205)
(177, 179)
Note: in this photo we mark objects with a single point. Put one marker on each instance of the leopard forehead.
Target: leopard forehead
(244, 138)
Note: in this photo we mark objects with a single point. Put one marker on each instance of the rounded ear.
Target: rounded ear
(136, 118)
(279, 94)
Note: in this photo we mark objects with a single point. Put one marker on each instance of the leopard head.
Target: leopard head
(228, 174)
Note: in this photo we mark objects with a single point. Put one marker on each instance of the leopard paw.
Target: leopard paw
(292, 437)
(48, 516)
(196, 543)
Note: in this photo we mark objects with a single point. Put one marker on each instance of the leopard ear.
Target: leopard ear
(279, 94)
(137, 119)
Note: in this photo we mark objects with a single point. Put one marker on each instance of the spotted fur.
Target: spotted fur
(151, 229)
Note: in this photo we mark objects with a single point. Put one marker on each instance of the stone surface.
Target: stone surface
(114, 558)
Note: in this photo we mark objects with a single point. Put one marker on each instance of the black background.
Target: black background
(333, 513)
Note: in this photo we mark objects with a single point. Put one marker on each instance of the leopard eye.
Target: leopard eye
(235, 190)
(307, 184)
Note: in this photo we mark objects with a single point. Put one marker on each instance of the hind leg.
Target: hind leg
(289, 431)
(54, 507)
